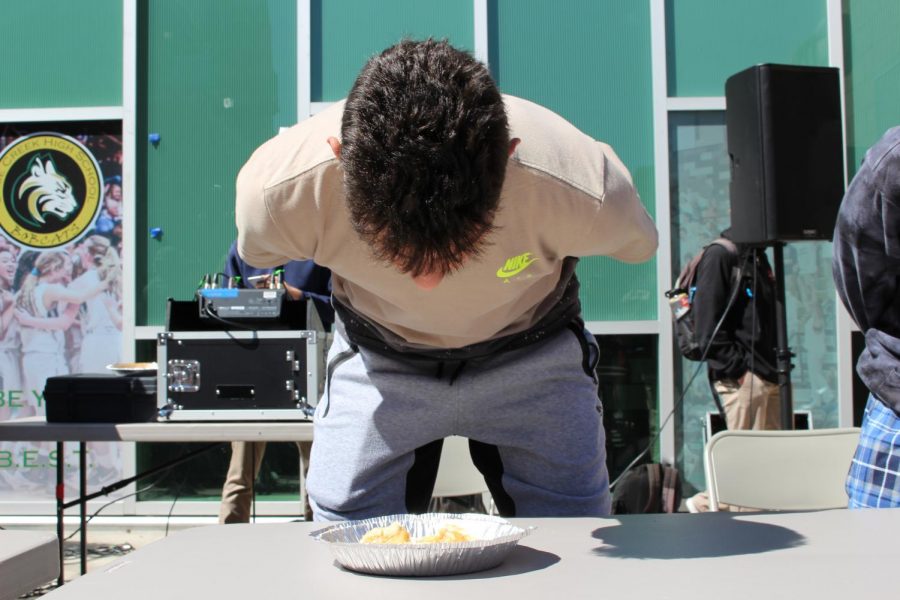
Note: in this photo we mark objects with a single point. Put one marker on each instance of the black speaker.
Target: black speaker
(784, 140)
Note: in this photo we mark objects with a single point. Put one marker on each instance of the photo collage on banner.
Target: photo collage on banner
(60, 285)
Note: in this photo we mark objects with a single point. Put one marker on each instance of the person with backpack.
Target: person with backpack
(736, 280)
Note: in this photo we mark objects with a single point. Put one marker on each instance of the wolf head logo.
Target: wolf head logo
(48, 191)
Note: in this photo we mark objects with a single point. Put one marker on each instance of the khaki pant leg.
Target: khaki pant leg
(237, 491)
(305, 449)
(736, 402)
(772, 410)
(758, 391)
(753, 404)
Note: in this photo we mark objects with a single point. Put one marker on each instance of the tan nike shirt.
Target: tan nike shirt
(565, 194)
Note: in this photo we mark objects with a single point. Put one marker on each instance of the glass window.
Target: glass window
(202, 476)
(698, 163)
(700, 208)
(627, 372)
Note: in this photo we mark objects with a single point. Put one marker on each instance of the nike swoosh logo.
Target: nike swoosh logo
(501, 272)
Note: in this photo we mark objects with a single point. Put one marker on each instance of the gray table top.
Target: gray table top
(836, 554)
(36, 429)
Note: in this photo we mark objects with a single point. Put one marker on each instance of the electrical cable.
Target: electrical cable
(113, 501)
(753, 321)
(700, 365)
(249, 344)
(164, 469)
(172, 508)
(233, 324)
(204, 282)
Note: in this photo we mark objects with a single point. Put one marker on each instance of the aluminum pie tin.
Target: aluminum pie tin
(493, 539)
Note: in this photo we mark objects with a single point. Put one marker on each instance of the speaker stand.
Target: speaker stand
(783, 353)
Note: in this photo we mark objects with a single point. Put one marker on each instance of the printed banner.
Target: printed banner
(60, 285)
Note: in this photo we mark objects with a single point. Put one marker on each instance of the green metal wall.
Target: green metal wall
(708, 40)
(590, 62)
(217, 79)
(345, 33)
(219, 83)
(190, 174)
(59, 53)
(872, 73)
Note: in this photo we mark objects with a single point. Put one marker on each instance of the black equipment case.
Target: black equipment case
(212, 371)
(100, 398)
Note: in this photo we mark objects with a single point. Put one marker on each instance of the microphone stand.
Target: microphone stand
(783, 353)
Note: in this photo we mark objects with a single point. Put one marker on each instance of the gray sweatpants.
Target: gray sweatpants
(535, 408)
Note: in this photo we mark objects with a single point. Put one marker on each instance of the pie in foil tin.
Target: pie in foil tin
(492, 540)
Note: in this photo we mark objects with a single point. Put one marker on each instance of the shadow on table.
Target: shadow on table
(522, 559)
(669, 537)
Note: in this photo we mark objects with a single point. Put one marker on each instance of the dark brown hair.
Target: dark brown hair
(425, 144)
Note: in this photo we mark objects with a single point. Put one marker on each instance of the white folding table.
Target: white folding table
(27, 559)
(828, 555)
(37, 429)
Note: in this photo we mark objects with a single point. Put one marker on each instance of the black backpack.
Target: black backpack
(680, 301)
(648, 488)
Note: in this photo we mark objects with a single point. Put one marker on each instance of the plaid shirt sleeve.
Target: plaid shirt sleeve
(874, 478)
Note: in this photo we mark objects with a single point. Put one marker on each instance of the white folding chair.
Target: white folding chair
(780, 470)
(456, 475)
